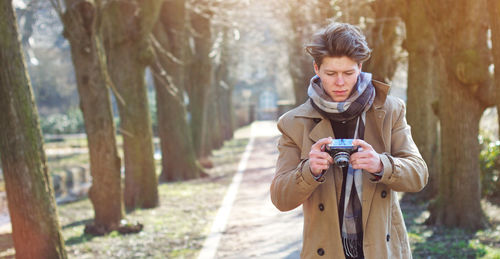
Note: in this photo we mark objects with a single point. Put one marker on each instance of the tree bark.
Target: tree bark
(213, 118)
(494, 13)
(126, 30)
(198, 76)
(178, 154)
(300, 64)
(425, 76)
(224, 103)
(461, 34)
(382, 38)
(82, 31)
(35, 228)
(224, 88)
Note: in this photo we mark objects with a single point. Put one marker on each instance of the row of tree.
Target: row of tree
(450, 46)
(112, 43)
(187, 45)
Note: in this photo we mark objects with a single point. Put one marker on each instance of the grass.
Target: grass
(66, 142)
(440, 242)
(175, 229)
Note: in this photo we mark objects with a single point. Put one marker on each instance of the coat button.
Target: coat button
(321, 207)
(321, 252)
(383, 194)
(316, 120)
(388, 237)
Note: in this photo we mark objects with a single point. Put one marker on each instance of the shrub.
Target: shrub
(489, 161)
(71, 122)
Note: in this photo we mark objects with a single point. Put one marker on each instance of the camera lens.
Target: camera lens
(341, 159)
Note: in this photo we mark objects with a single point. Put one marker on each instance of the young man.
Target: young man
(353, 211)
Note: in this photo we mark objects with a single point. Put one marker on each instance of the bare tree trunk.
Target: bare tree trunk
(494, 13)
(178, 154)
(301, 71)
(35, 228)
(212, 119)
(224, 89)
(199, 77)
(224, 103)
(426, 75)
(300, 64)
(463, 46)
(126, 30)
(213, 116)
(382, 38)
(82, 31)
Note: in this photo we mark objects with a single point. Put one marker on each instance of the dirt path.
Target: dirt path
(255, 228)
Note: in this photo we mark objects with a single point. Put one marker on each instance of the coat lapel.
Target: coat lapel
(322, 130)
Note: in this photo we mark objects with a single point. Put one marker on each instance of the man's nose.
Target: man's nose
(339, 80)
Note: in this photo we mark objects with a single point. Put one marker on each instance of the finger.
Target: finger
(355, 156)
(324, 155)
(316, 168)
(365, 146)
(362, 154)
(361, 162)
(364, 160)
(318, 154)
(365, 164)
(317, 146)
(330, 159)
(323, 142)
(322, 161)
(319, 161)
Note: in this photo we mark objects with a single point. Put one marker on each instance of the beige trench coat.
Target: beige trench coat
(384, 231)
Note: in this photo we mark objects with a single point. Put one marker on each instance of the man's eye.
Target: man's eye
(349, 74)
(331, 74)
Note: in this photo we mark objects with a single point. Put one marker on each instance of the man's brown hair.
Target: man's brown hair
(338, 40)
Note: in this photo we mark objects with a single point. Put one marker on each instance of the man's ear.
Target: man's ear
(360, 66)
(316, 69)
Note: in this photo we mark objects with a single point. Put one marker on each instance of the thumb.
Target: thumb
(318, 145)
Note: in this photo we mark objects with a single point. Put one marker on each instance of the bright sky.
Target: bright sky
(19, 4)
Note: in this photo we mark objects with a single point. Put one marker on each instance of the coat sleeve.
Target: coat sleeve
(293, 182)
(404, 168)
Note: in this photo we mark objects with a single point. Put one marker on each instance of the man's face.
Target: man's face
(338, 76)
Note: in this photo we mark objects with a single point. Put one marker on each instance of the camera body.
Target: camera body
(341, 150)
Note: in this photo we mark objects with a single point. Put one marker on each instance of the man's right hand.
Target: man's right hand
(320, 160)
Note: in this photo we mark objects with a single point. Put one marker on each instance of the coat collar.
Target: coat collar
(381, 92)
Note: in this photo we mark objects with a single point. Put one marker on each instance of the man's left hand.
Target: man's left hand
(366, 158)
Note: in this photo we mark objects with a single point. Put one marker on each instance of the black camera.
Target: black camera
(340, 150)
